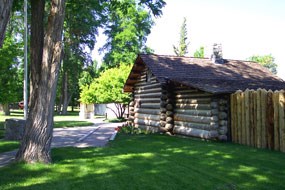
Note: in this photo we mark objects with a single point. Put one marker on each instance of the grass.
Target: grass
(115, 120)
(152, 162)
(70, 120)
(14, 114)
(6, 146)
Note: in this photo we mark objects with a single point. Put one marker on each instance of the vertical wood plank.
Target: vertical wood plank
(276, 120)
(233, 115)
(247, 116)
(239, 113)
(254, 118)
(281, 121)
(258, 119)
(243, 133)
(270, 121)
(263, 118)
(251, 117)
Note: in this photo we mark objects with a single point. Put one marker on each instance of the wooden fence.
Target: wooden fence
(257, 119)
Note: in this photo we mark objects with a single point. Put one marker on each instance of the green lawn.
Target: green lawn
(14, 114)
(6, 146)
(152, 162)
(70, 120)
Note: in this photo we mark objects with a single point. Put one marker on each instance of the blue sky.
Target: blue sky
(243, 27)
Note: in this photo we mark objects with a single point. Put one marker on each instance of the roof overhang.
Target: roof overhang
(134, 74)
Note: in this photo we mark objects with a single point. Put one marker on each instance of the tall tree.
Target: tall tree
(81, 27)
(5, 11)
(9, 78)
(199, 53)
(266, 61)
(182, 48)
(36, 142)
(35, 146)
(127, 29)
(10, 63)
(82, 21)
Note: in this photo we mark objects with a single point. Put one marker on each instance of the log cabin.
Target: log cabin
(191, 96)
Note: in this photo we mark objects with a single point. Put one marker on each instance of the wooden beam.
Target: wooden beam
(195, 119)
(195, 132)
(196, 125)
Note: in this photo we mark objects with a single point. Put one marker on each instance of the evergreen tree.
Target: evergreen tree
(181, 49)
(199, 53)
(266, 61)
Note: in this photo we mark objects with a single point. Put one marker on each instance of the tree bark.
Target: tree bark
(36, 143)
(65, 94)
(6, 109)
(5, 11)
(36, 43)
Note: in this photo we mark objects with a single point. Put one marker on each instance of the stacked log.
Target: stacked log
(166, 108)
(131, 113)
(197, 114)
(223, 118)
(147, 95)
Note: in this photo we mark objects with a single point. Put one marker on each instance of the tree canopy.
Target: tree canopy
(126, 31)
(108, 88)
(10, 63)
(266, 61)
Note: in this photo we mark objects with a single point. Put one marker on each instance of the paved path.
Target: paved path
(81, 137)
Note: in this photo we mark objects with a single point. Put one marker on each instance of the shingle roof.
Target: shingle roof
(202, 74)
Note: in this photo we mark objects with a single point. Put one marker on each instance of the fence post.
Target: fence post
(247, 114)
(281, 102)
(276, 120)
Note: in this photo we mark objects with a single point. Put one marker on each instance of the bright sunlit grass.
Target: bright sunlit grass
(70, 120)
(152, 162)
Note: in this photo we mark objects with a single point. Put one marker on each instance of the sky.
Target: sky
(243, 27)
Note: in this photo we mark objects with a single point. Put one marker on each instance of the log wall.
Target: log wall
(200, 114)
(145, 109)
(258, 119)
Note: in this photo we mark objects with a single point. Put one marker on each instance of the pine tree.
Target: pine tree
(199, 53)
(181, 49)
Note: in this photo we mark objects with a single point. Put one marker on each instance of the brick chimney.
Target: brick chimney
(217, 54)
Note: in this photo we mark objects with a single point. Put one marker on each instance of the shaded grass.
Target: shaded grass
(6, 146)
(2, 132)
(115, 120)
(152, 162)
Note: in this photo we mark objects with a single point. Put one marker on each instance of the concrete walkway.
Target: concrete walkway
(97, 135)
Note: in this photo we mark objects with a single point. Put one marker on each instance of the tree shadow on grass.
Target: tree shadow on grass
(153, 162)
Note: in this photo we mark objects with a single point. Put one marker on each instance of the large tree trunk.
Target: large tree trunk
(5, 10)
(37, 43)
(36, 143)
(5, 108)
